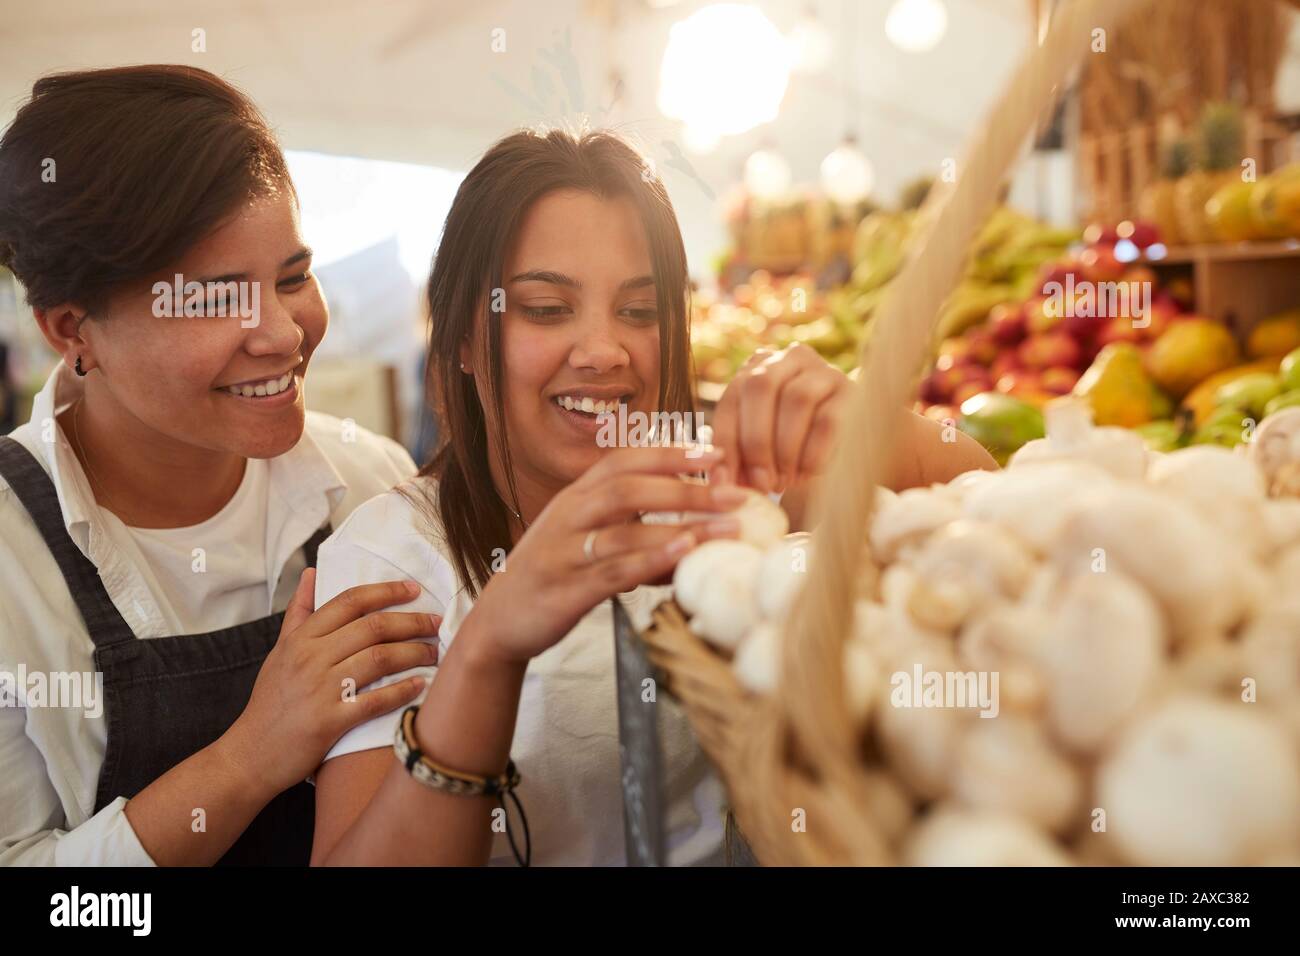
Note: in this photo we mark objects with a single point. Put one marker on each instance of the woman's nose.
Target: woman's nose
(598, 349)
(272, 329)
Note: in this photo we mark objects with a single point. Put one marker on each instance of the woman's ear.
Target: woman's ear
(61, 326)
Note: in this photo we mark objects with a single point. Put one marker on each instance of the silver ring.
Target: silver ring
(589, 545)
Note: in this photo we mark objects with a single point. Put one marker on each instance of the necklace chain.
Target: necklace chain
(85, 456)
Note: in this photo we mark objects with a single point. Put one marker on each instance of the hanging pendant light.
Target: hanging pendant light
(916, 25)
(810, 43)
(767, 174)
(847, 175)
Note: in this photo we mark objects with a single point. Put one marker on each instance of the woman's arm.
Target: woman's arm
(370, 811)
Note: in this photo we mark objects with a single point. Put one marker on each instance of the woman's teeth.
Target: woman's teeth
(272, 386)
(589, 405)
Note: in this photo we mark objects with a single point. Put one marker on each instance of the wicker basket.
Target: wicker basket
(792, 761)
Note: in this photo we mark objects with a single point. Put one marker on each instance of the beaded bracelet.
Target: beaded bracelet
(437, 777)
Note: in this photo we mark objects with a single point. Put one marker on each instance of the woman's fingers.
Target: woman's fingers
(375, 703)
(624, 538)
(745, 423)
(628, 570)
(382, 627)
(355, 603)
(381, 660)
(302, 604)
(820, 439)
(651, 460)
(806, 404)
(624, 496)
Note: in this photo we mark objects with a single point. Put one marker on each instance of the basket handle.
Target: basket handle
(811, 691)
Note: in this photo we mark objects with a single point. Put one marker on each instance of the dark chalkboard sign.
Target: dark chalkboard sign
(638, 747)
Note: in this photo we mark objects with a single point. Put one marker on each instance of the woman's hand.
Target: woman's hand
(308, 692)
(550, 581)
(777, 420)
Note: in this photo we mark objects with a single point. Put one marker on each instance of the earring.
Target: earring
(79, 370)
(463, 368)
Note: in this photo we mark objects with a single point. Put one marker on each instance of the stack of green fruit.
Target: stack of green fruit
(1241, 404)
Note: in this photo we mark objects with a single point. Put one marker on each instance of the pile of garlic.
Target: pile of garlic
(1139, 611)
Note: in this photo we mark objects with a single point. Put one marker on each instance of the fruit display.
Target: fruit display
(770, 310)
(1130, 618)
(1204, 195)
(1215, 169)
(1125, 340)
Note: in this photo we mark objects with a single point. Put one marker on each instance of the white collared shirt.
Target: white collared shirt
(50, 756)
(565, 742)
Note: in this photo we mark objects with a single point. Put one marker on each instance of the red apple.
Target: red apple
(954, 349)
(1040, 317)
(967, 391)
(1082, 327)
(1059, 380)
(982, 347)
(1097, 234)
(1058, 274)
(1161, 299)
(938, 386)
(1048, 349)
(1007, 361)
(1117, 330)
(1100, 264)
(1008, 324)
(1139, 232)
(1140, 274)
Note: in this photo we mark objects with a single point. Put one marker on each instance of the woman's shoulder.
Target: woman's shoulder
(399, 527)
(366, 460)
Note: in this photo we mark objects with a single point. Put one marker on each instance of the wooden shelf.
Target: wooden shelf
(1240, 283)
(1228, 252)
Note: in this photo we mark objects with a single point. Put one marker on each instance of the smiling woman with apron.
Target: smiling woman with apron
(167, 685)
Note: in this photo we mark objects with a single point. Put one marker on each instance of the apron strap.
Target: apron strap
(35, 489)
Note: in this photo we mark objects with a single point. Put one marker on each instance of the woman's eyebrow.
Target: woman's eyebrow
(638, 282)
(546, 275)
(299, 256)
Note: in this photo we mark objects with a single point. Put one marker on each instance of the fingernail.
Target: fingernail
(703, 452)
(680, 544)
(433, 651)
(762, 478)
(721, 475)
(412, 588)
(729, 496)
(723, 528)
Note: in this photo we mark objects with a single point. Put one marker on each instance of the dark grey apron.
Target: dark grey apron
(166, 698)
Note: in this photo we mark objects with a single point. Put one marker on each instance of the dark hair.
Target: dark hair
(484, 217)
(147, 160)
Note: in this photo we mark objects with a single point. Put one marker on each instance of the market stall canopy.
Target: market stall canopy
(426, 81)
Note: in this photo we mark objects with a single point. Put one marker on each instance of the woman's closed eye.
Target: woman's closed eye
(294, 282)
(545, 311)
(641, 314)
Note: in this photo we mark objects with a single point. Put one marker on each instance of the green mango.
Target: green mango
(1286, 400)
(1250, 393)
(1290, 371)
(1000, 423)
(1164, 435)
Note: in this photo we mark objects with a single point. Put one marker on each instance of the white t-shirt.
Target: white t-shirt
(51, 756)
(566, 735)
(214, 574)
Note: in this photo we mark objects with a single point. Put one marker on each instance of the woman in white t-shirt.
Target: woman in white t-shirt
(165, 687)
(559, 291)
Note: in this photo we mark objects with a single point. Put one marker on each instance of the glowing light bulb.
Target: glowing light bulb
(767, 174)
(916, 25)
(847, 176)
